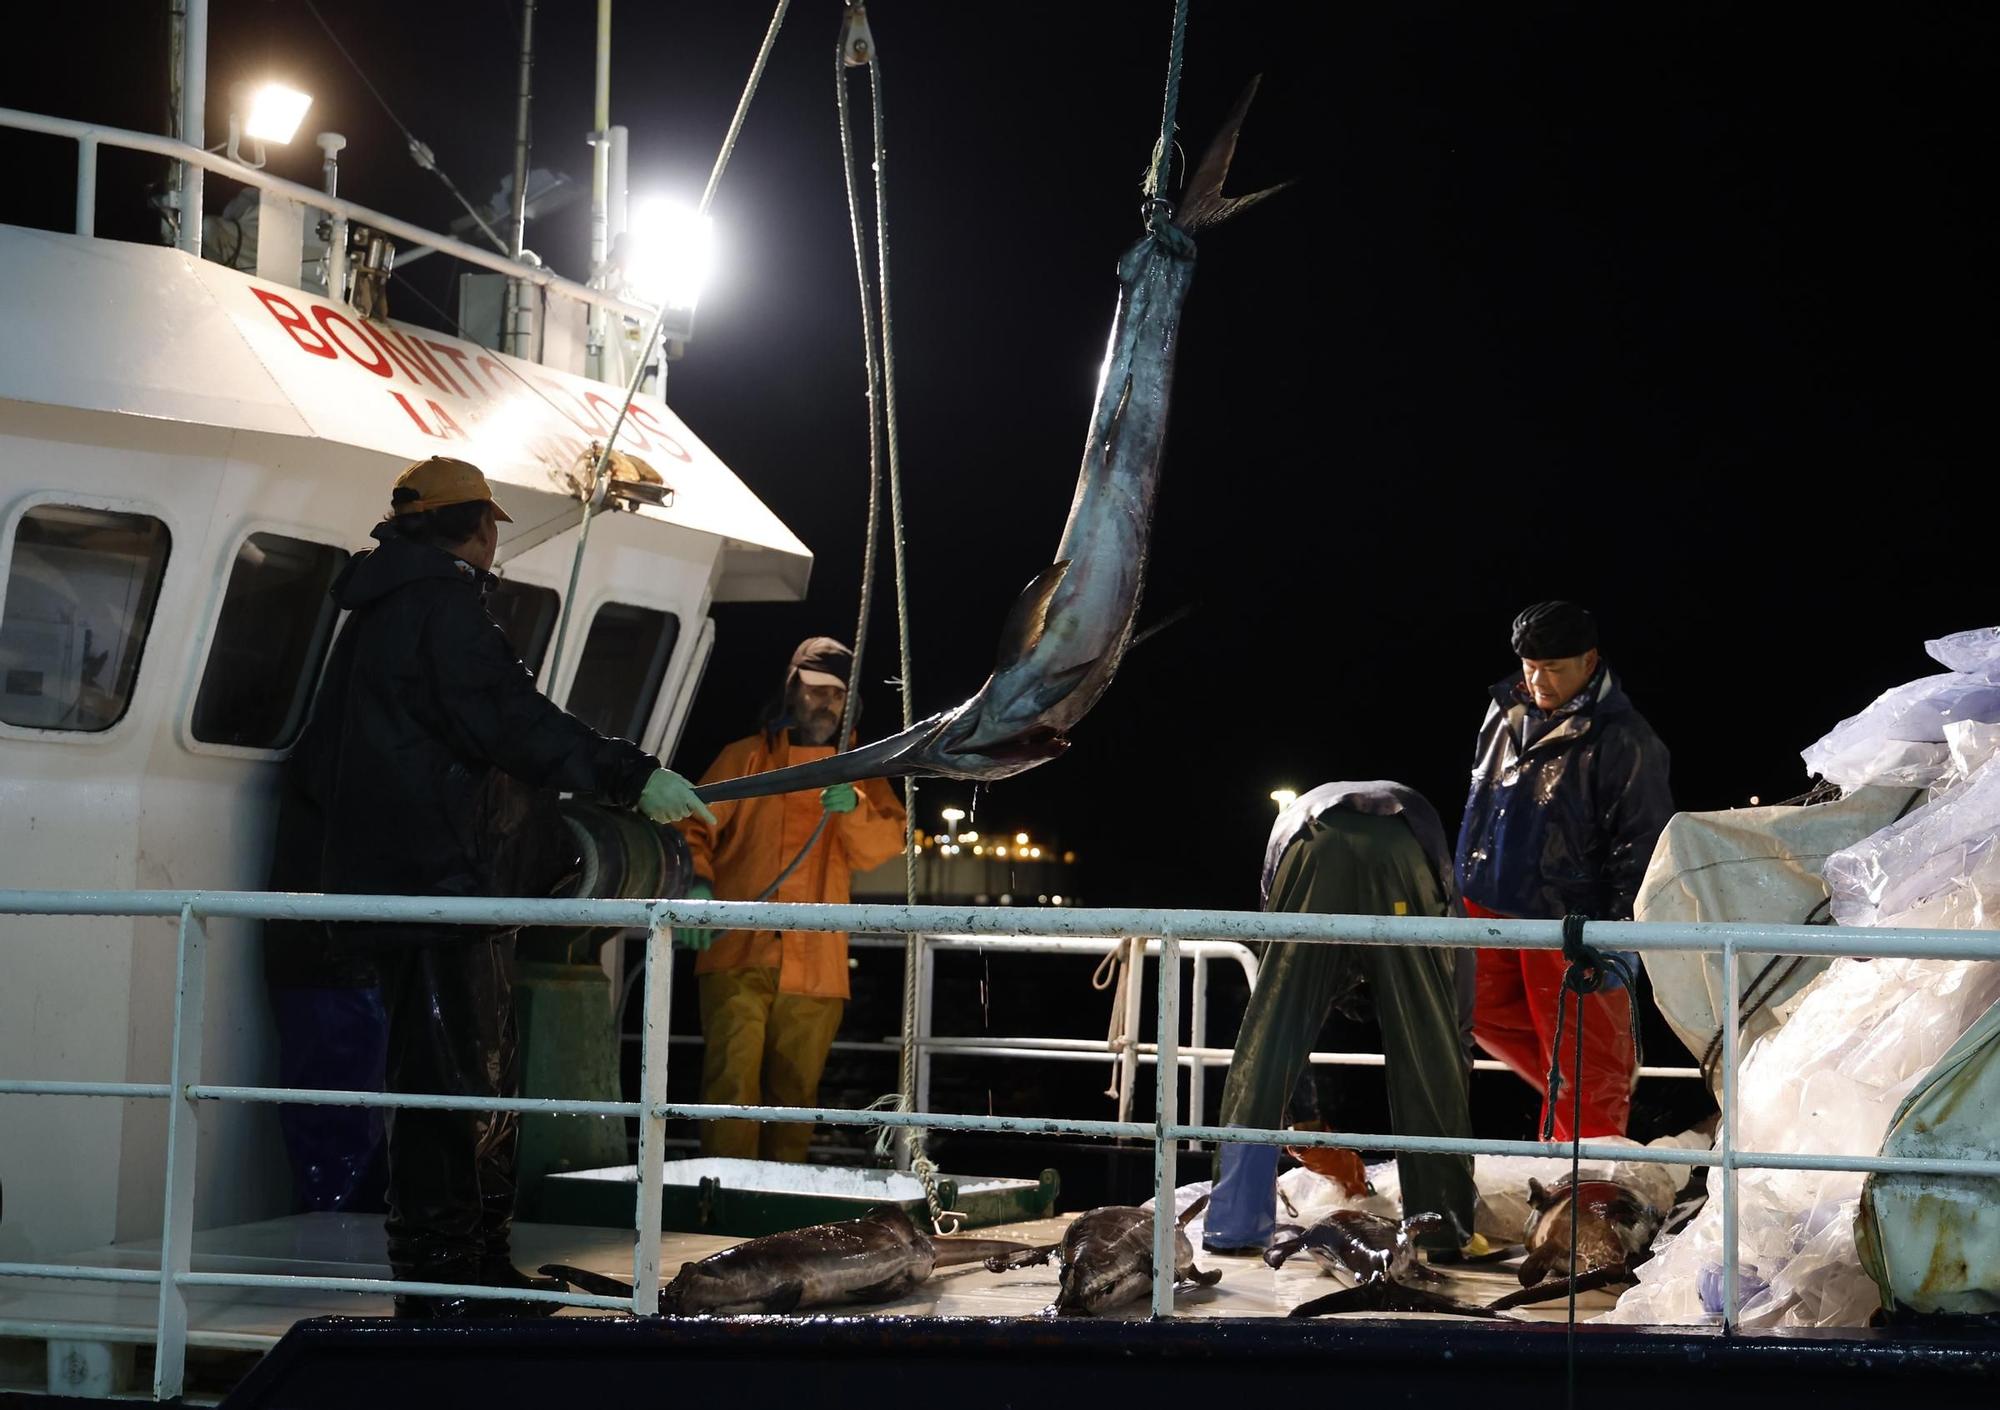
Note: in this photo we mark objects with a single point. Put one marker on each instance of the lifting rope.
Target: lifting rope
(857, 49)
(1157, 210)
(1587, 972)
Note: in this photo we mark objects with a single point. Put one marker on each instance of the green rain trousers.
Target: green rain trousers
(1359, 864)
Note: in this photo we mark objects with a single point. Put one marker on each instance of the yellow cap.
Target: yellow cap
(442, 481)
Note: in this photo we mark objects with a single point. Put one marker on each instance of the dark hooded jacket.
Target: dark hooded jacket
(432, 762)
(1565, 806)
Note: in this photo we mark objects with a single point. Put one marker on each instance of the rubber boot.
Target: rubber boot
(1243, 1208)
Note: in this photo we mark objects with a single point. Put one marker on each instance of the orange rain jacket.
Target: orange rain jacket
(753, 840)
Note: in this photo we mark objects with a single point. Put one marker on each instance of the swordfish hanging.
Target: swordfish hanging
(1065, 635)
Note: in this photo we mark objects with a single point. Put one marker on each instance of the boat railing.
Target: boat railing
(90, 137)
(1128, 1050)
(186, 1089)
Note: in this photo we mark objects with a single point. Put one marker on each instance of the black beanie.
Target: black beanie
(1551, 631)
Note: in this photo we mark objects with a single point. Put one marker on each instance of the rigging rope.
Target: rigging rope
(1588, 970)
(855, 50)
(420, 151)
(1156, 179)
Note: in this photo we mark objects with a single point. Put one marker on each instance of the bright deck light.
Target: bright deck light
(275, 113)
(1284, 797)
(673, 251)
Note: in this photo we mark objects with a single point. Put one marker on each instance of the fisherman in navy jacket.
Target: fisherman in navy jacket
(1569, 795)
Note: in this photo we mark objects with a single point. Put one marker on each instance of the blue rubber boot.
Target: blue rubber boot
(1243, 1208)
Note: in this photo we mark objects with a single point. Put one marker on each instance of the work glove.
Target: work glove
(839, 798)
(696, 937)
(667, 798)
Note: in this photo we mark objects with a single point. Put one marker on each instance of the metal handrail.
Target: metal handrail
(1172, 929)
(90, 136)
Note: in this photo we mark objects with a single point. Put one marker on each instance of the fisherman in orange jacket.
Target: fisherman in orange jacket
(771, 1000)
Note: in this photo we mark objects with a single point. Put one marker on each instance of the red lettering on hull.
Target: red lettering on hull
(330, 321)
(667, 442)
(296, 323)
(413, 414)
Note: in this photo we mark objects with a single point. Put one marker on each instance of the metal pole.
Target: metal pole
(600, 186)
(552, 666)
(515, 339)
(1166, 1113)
(86, 186)
(331, 144)
(194, 90)
(617, 214)
(618, 370)
(1198, 1037)
(183, 1137)
(652, 1124)
(1729, 1250)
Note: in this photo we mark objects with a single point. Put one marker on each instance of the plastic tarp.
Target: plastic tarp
(1859, 1039)
(1938, 867)
(1900, 739)
(1746, 864)
(1931, 1243)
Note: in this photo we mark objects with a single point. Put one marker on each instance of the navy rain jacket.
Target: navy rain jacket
(1565, 807)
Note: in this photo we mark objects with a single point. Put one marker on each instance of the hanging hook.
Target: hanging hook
(857, 43)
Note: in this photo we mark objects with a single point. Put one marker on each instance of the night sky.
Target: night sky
(1682, 312)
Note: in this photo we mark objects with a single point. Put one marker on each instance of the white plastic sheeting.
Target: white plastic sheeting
(1940, 865)
(1900, 740)
(1859, 1038)
(1864, 1034)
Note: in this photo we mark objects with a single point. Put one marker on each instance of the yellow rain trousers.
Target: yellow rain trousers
(765, 1048)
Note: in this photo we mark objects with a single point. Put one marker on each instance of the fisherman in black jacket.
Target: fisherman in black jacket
(1569, 796)
(431, 768)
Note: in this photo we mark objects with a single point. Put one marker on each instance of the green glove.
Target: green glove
(668, 798)
(696, 937)
(839, 798)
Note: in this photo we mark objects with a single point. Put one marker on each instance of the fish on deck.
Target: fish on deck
(1377, 1258)
(876, 1258)
(1614, 1230)
(1107, 1259)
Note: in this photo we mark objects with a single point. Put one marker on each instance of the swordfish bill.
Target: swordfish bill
(1065, 635)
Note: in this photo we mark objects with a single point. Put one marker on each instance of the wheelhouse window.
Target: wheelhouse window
(624, 662)
(270, 641)
(80, 592)
(527, 614)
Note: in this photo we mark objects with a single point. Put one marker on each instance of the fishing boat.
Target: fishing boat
(190, 448)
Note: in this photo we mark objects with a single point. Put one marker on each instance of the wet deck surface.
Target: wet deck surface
(334, 1245)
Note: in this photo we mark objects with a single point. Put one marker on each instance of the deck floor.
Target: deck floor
(336, 1245)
